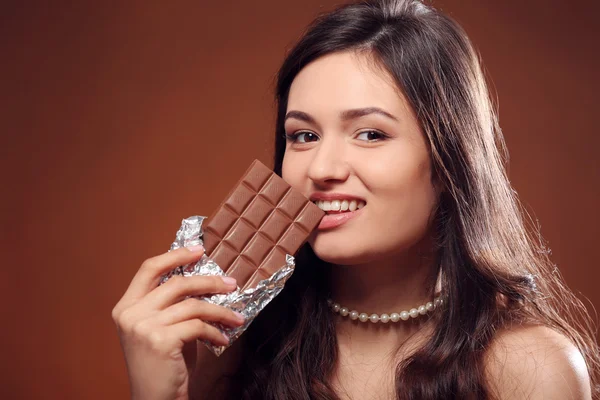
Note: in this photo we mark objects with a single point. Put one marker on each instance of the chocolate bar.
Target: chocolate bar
(260, 221)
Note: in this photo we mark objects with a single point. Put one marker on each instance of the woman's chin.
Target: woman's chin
(339, 256)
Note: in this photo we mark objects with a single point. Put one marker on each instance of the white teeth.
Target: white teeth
(344, 205)
(335, 205)
(352, 205)
(340, 205)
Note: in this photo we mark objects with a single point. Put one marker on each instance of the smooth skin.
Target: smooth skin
(376, 257)
(386, 163)
(158, 327)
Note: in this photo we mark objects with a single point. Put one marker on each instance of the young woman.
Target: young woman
(384, 120)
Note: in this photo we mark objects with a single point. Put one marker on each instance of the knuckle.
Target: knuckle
(149, 264)
(189, 305)
(183, 252)
(216, 283)
(126, 328)
(181, 255)
(213, 333)
(140, 329)
(157, 339)
(200, 327)
(207, 331)
(160, 342)
(123, 319)
(116, 314)
(178, 283)
(210, 329)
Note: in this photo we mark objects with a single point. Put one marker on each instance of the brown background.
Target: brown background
(120, 120)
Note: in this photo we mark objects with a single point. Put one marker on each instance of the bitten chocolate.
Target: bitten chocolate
(260, 221)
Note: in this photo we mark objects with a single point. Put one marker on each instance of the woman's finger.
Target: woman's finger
(193, 329)
(149, 274)
(199, 309)
(178, 288)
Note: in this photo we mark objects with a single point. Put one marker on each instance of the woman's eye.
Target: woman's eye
(371, 136)
(302, 137)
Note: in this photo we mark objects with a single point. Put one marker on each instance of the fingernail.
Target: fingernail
(195, 248)
(239, 316)
(229, 281)
(226, 338)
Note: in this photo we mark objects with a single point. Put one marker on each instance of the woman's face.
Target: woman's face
(353, 138)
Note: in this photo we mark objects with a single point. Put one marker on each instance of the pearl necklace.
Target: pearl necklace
(385, 318)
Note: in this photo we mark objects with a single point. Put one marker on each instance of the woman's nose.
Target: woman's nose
(329, 163)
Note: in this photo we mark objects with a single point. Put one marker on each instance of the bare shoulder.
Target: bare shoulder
(536, 362)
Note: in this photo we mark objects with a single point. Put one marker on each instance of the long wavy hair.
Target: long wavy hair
(495, 267)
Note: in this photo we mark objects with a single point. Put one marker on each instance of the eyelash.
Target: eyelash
(293, 137)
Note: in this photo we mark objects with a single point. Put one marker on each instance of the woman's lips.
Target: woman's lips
(333, 219)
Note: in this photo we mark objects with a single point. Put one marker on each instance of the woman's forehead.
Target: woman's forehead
(345, 80)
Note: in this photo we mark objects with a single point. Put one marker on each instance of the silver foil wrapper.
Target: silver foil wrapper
(248, 302)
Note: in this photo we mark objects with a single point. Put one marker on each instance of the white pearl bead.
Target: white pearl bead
(385, 318)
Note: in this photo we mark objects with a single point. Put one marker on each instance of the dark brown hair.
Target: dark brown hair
(495, 267)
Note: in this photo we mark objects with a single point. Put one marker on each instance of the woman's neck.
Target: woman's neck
(395, 284)
(384, 286)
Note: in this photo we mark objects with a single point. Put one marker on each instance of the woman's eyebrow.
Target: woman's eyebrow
(361, 112)
(344, 115)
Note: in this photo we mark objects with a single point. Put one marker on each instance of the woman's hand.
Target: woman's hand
(158, 330)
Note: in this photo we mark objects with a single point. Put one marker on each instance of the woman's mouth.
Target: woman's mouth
(338, 212)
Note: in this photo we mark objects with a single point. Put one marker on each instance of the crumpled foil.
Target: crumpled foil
(248, 302)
